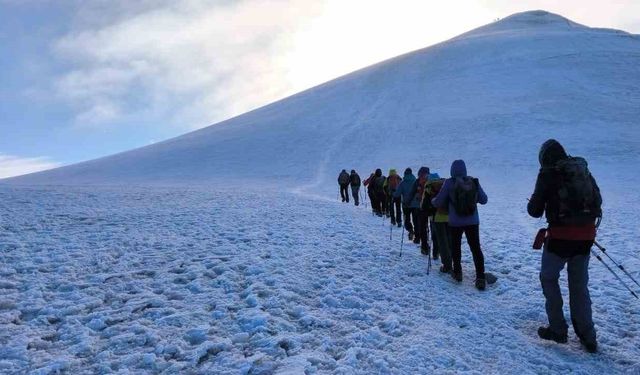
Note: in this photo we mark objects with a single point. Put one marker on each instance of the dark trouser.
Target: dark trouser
(436, 248)
(372, 199)
(355, 190)
(382, 202)
(344, 193)
(422, 228)
(579, 299)
(395, 211)
(443, 241)
(472, 232)
(410, 216)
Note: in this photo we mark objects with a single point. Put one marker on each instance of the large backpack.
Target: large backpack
(378, 184)
(355, 180)
(579, 197)
(394, 181)
(419, 188)
(465, 195)
(432, 188)
(343, 179)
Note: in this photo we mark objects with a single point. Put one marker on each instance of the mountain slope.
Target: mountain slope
(507, 86)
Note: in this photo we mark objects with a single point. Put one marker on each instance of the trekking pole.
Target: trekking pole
(614, 274)
(390, 232)
(614, 262)
(402, 242)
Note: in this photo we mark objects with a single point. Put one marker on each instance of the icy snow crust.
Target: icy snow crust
(199, 281)
(235, 274)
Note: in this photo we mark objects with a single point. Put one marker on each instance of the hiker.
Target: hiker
(354, 180)
(569, 196)
(409, 203)
(460, 195)
(440, 223)
(343, 181)
(372, 197)
(378, 190)
(393, 203)
(421, 225)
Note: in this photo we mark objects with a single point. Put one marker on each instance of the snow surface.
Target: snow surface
(225, 251)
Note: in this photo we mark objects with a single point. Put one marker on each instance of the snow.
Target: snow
(224, 251)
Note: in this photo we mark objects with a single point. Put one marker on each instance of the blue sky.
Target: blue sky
(84, 79)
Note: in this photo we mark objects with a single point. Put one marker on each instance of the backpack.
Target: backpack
(465, 195)
(355, 180)
(394, 181)
(343, 179)
(419, 188)
(378, 184)
(432, 188)
(579, 197)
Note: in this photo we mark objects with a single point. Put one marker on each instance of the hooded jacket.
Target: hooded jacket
(443, 199)
(569, 240)
(392, 182)
(343, 178)
(406, 191)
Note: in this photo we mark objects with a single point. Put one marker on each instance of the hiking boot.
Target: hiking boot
(410, 236)
(424, 251)
(546, 333)
(393, 222)
(457, 276)
(481, 284)
(399, 224)
(591, 347)
(416, 240)
(445, 269)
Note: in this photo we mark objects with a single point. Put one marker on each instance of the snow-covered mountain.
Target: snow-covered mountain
(488, 96)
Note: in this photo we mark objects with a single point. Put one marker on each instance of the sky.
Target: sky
(81, 79)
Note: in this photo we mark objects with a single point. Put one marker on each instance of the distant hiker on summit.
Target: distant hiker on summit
(569, 196)
(343, 181)
(354, 179)
(460, 194)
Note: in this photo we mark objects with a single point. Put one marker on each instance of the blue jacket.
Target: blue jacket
(406, 190)
(458, 169)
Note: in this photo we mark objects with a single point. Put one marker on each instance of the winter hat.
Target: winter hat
(423, 171)
(550, 153)
(458, 169)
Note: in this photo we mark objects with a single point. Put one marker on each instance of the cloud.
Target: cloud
(188, 63)
(15, 166)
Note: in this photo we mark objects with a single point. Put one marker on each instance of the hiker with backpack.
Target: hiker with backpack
(393, 181)
(354, 180)
(343, 181)
(409, 203)
(378, 190)
(568, 195)
(421, 225)
(439, 218)
(372, 196)
(460, 194)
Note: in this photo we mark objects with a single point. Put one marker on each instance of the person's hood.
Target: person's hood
(423, 172)
(344, 171)
(353, 171)
(392, 172)
(550, 153)
(408, 172)
(378, 172)
(458, 169)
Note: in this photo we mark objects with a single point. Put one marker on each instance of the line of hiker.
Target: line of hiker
(443, 210)
(433, 209)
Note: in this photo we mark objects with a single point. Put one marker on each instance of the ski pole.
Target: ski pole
(402, 242)
(614, 274)
(614, 262)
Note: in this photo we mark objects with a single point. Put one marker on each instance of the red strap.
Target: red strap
(572, 232)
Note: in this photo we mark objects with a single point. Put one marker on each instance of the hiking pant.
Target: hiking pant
(421, 228)
(382, 202)
(372, 199)
(344, 192)
(443, 243)
(355, 190)
(394, 210)
(472, 232)
(579, 299)
(409, 218)
(435, 248)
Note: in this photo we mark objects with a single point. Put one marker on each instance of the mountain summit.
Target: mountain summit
(488, 96)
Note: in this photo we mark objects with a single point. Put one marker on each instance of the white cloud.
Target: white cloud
(15, 166)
